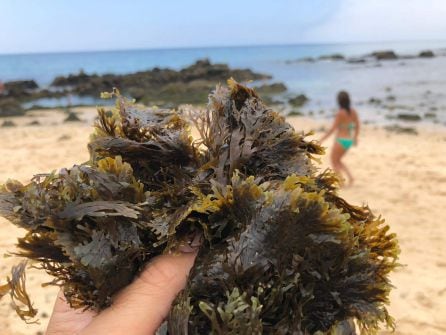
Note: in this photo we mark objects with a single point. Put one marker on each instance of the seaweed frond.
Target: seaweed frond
(281, 252)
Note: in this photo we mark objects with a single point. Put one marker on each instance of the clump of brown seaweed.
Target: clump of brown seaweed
(282, 253)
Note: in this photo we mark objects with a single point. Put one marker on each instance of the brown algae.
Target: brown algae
(281, 252)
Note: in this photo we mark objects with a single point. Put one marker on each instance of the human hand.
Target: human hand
(139, 309)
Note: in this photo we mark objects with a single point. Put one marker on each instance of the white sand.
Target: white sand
(403, 177)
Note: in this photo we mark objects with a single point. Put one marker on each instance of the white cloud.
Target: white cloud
(383, 20)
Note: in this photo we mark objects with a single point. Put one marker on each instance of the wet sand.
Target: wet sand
(400, 176)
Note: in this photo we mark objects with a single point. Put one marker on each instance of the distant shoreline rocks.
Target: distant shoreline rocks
(384, 55)
(426, 54)
(379, 55)
(160, 87)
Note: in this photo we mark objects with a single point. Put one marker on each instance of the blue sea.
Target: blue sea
(409, 85)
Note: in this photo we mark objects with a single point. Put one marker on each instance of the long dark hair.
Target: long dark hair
(344, 101)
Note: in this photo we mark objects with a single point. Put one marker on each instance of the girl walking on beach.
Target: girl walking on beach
(346, 125)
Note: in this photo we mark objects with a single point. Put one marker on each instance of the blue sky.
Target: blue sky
(51, 25)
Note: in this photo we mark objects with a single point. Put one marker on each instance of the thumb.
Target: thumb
(141, 307)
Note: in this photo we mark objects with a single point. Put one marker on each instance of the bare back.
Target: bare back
(347, 123)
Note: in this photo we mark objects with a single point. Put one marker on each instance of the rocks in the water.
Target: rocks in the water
(268, 89)
(160, 86)
(401, 130)
(306, 60)
(7, 124)
(391, 98)
(19, 88)
(298, 100)
(333, 57)
(430, 115)
(72, 79)
(375, 101)
(157, 86)
(10, 107)
(384, 55)
(426, 54)
(377, 55)
(356, 60)
(72, 117)
(408, 117)
(295, 112)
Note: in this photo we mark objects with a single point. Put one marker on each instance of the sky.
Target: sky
(81, 25)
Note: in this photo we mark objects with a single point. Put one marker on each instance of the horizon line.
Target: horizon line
(214, 47)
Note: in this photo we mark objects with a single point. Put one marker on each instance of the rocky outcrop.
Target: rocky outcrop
(157, 86)
(408, 117)
(271, 89)
(189, 85)
(426, 54)
(10, 107)
(298, 100)
(356, 60)
(401, 130)
(384, 55)
(333, 57)
(19, 88)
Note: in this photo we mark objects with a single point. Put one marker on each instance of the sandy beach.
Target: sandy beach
(400, 176)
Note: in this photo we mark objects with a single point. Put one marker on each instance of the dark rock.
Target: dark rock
(20, 87)
(160, 86)
(7, 124)
(426, 54)
(298, 100)
(268, 89)
(430, 115)
(10, 107)
(295, 113)
(375, 101)
(34, 123)
(401, 107)
(401, 130)
(408, 117)
(384, 55)
(333, 57)
(356, 60)
(390, 98)
(72, 79)
(306, 60)
(72, 117)
(64, 137)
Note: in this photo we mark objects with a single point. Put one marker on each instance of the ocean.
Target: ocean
(415, 85)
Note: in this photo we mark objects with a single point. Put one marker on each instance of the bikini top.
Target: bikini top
(349, 126)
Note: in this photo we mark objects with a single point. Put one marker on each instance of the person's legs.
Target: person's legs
(338, 166)
(336, 154)
(347, 172)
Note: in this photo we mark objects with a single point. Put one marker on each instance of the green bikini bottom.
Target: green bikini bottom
(346, 143)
